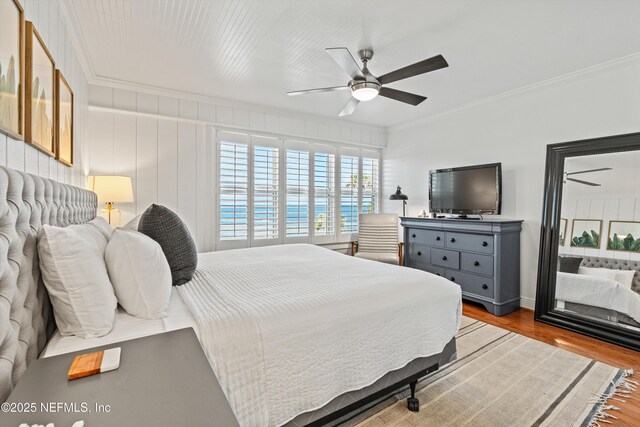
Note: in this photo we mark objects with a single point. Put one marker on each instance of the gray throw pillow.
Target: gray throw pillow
(569, 264)
(165, 227)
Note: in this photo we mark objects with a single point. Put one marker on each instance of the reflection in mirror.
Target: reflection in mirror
(599, 243)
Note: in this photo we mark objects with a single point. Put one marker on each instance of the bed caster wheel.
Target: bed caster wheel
(413, 404)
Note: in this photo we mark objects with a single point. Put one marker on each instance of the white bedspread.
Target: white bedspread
(598, 292)
(288, 328)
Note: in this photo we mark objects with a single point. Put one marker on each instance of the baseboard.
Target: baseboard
(529, 303)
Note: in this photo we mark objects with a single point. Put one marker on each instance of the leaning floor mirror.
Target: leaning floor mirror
(589, 264)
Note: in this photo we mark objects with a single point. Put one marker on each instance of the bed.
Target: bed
(297, 335)
(600, 298)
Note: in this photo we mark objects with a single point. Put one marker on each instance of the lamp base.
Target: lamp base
(111, 215)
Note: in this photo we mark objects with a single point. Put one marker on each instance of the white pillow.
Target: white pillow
(598, 272)
(75, 275)
(133, 224)
(140, 274)
(624, 277)
(103, 226)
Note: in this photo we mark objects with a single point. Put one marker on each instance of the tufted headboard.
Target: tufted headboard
(26, 316)
(615, 264)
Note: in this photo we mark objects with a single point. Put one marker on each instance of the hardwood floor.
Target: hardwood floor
(522, 322)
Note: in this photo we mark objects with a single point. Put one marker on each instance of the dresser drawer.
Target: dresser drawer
(426, 237)
(474, 285)
(418, 253)
(445, 258)
(479, 264)
(469, 242)
(429, 268)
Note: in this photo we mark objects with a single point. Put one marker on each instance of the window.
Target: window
(324, 191)
(297, 193)
(272, 190)
(265, 192)
(234, 184)
(369, 185)
(348, 194)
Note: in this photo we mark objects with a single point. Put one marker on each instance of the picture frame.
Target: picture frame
(12, 54)
(623, 236)
(40, 79)
(563, 231)
(64, 120)
(584, 234)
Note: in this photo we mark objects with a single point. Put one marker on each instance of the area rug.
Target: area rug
(505, 379)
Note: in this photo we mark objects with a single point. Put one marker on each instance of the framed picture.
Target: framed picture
(64, 120)
(12, 45)
(624, 236)
(585, 233)
(40, 78)
(563, 230)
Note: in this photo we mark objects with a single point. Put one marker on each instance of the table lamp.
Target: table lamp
(399, 196)
(112, 189)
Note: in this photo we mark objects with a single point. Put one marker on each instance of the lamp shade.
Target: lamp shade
(398, 195)
(111, 188)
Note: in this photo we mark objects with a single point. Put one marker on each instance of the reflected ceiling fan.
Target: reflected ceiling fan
(365, 86)
(579, 181)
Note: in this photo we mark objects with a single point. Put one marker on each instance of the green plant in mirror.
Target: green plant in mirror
(587, 240)
(629, 243)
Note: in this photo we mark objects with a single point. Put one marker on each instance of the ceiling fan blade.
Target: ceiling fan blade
(345, 60)
(398, 95)
(319, 90)
(431, 64)
(590, 170)
(349, 108)
(592, 184)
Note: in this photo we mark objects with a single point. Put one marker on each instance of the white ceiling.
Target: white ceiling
(255, 51)
(623, 179)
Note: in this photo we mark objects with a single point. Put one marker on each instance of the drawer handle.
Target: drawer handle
(419, 253)
(485, 287)
(444, 258)
(485, 244)
(453, 240)
(437, 238)
(453, 279)
(477, 264)
(413, 235)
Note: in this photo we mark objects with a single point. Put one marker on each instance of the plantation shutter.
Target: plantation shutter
(297, 188)
(233, 179)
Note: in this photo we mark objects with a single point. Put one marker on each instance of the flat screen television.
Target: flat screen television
(466, 190)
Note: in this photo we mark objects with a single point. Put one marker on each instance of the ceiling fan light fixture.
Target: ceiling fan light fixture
(365, 91)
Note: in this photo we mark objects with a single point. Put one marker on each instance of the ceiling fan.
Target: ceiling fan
(365, 86)
(579, 181)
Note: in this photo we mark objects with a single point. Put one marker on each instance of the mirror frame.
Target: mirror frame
(549, 238)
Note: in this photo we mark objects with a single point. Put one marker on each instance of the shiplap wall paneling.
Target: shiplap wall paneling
(146, 163)
(187, 174)
(614, 208)
(123, 157)
(167, 164)
(48, 20)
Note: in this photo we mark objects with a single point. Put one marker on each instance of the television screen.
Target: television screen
(466, 190)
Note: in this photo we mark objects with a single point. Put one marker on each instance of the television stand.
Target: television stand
(464, 217)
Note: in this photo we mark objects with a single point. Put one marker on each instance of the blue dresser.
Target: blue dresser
(482, 256)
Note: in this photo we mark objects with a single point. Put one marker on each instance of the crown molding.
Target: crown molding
(72, 25)
(554, 80)
(261, 108)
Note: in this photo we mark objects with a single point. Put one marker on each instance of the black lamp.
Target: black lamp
(399, 196)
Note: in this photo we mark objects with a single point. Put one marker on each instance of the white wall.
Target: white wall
(49, 20)
(514, 129)
(166, 145)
